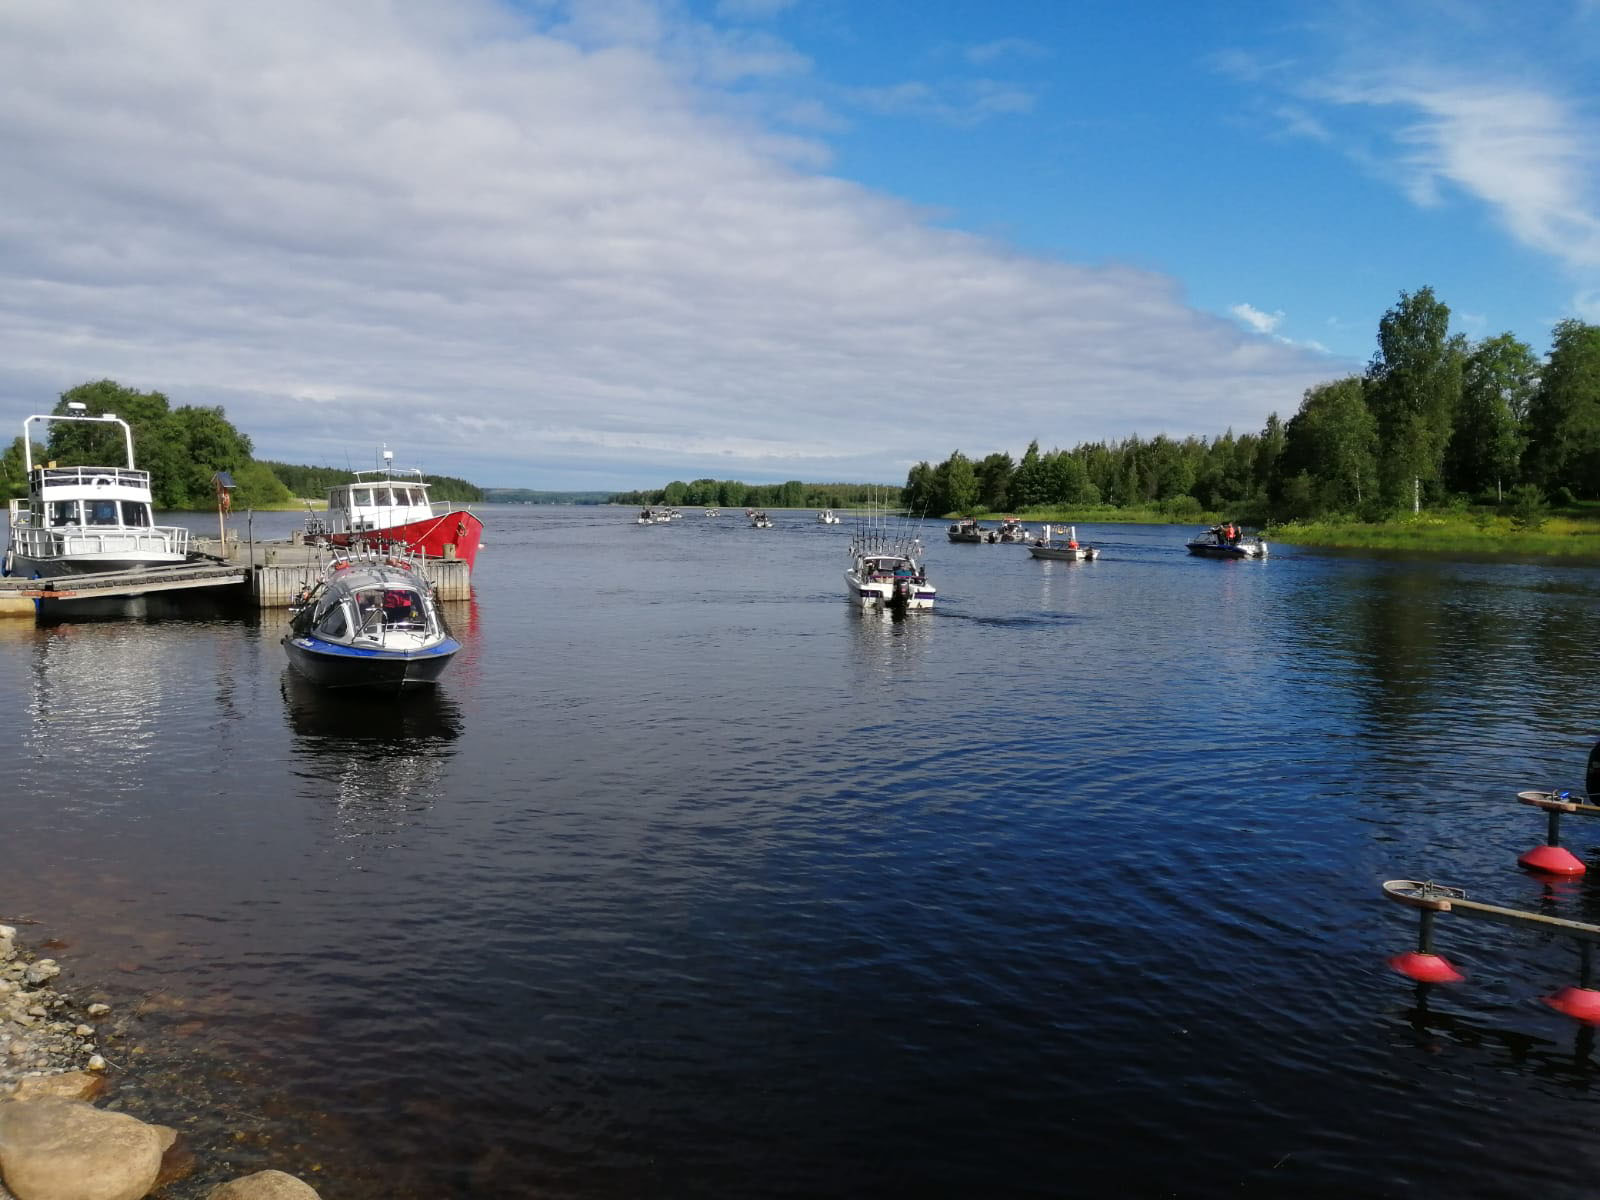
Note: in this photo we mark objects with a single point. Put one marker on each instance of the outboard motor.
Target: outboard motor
(900, 597)
(1591, 780)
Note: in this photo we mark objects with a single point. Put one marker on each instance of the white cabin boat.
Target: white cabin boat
(759, 519)
(887, 573)
(83, 520)
(827, 517)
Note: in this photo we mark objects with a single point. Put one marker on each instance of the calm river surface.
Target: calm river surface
(693, 881)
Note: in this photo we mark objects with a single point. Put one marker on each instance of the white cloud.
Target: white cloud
(1010, 47)
(1261, 322)
(1525, 152)
(538, 257)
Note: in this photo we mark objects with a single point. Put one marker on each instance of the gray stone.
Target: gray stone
(264, 1185)
(39, 972)
(69, 1150)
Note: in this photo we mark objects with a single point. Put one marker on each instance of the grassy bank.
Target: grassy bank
(1562, 536)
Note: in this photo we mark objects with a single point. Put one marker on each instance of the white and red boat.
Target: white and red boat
(389, 509)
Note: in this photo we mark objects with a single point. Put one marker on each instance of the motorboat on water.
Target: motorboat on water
(967, 530)
(84, 520)
(758, 519)
(388, 509)
(886, 572)
(713, 512)
(1068, 548)
(369, 623)
(1011, 531)
(1227, 541)
(827, 517)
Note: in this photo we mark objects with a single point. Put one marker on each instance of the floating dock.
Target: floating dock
(242, 574)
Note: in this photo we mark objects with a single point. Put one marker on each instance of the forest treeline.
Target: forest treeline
(182, 448)
(314, 482)
(1434, 419)
(731, 493)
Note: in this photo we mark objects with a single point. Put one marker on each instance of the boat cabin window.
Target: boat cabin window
(361, 495)
(102, 512)
(402, 495)
(136, 514)
(339, 499)
(63, 512)
(333, 623)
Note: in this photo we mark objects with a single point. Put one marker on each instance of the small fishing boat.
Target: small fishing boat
(967, 530)
(1011, 531)
(369, 623)
(85, 520)
(827, 517)
(1068, 548)
(388, 509)
(758, 519)
(645, 517)
(1227, 541)
(713, 512)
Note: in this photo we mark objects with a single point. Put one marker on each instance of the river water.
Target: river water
(691, 880)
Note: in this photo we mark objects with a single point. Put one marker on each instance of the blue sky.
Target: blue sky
(608, 243)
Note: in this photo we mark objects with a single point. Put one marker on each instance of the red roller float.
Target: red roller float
(1425, 967)
(1579, 1003)
(1552, 860)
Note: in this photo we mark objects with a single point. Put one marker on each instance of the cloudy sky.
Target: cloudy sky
(575, 244)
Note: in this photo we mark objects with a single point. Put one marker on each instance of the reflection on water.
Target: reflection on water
(380, 758)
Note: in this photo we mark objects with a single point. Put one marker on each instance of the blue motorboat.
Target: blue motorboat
(370, 623)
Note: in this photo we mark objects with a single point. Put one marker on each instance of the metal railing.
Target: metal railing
(91, 477)
(28, 540)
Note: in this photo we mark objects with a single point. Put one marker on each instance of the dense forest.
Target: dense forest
(730, 493)
(313, 482)
(1434, 420)
(182, 448)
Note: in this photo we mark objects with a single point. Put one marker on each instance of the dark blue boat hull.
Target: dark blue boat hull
(334, 666)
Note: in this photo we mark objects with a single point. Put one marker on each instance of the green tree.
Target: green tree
(919, 490)
(1497, 381)
(1415, 379)
(1333, 441)
(1564, 415)
(958, 484)
(994, 481)
(200, 442)
(1029, 487)
(14, 468)
(255, 486)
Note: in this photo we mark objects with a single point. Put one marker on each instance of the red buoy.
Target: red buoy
(1552, 860)
(1425, 968)
(1582, 1004)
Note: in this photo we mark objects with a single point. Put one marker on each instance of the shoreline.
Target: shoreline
(55, 1138)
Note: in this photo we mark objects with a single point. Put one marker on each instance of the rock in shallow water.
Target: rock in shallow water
(264, 1185)
(69, 1150)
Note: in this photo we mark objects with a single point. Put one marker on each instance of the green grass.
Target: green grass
(1562, 536)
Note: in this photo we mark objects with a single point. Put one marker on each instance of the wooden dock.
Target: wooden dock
(243, 574)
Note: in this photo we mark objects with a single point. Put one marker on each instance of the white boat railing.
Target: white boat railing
(54, 477)
(31, 541)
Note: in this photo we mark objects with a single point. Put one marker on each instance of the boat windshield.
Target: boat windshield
(389, 608)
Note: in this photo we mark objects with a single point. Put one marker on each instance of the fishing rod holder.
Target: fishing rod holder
(1433, 900)
(1553, 858)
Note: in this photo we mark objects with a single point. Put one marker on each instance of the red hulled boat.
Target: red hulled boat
(389, 508)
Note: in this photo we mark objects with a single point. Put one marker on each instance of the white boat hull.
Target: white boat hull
(876, 593)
